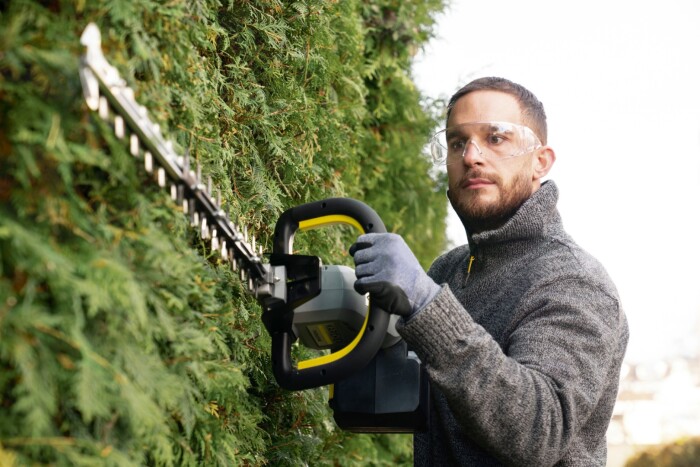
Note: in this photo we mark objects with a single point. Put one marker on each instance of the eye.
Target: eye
(496, 138)
(456, 145)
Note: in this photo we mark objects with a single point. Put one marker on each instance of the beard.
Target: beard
(478, 214)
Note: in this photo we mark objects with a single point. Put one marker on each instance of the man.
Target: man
(521, 331)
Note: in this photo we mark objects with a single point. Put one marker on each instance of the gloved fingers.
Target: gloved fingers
(367, 255)
(364, 241)
(357, 246)
(386, 296)
(376, 246)
(366, 270)
(361, 287)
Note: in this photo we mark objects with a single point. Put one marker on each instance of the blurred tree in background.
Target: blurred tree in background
(121, 342)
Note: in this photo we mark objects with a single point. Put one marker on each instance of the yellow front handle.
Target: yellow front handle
(323, 221)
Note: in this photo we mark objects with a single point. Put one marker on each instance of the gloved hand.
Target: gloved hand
(386, 268)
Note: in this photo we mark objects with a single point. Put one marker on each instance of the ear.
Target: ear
(542, 162)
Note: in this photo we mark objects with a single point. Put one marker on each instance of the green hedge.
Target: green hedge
(121, 342)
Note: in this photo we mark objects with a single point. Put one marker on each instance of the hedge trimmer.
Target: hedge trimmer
(377, 385)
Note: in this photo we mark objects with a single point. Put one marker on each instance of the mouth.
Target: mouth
(476, 183)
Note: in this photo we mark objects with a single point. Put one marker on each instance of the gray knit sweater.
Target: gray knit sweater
(523, 351)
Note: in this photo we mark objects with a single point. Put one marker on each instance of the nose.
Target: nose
(472, 153)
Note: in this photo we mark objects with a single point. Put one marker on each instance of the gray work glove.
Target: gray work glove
(387, 269)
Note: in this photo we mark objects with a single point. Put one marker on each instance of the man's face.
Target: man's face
(485, 192)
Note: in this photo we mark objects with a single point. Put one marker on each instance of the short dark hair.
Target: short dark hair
(531, 107)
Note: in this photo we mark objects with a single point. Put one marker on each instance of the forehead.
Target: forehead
(485, 106)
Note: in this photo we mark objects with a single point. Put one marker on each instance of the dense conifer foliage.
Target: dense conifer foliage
(122, 342)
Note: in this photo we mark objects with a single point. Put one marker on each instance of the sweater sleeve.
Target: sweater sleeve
(524, 402)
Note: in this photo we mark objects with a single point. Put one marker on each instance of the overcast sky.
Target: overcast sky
(620, 81)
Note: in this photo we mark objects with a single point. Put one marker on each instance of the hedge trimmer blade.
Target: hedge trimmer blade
(108, 94)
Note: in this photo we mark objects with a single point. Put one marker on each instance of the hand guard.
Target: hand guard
(387, 269)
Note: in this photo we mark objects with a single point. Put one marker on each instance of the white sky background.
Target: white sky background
(620, 82)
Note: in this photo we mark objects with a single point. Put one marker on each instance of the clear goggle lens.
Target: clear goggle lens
(493, 140)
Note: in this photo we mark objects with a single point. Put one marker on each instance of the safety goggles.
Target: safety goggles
(493, 140)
